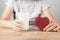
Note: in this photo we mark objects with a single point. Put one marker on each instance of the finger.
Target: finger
(51, 28)
(18, 25)
(18, 21)
(17, 29)
(49, 25)
(56, 29)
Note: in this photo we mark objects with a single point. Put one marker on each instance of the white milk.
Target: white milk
(24, 17)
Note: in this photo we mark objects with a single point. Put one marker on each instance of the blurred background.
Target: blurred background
(55, 8)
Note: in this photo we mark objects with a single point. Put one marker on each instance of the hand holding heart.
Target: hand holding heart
(41, 22)
(53, 26)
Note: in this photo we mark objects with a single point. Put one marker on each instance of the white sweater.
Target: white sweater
(31, 7)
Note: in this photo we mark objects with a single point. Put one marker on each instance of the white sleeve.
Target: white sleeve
(45, 4)
(9, 3)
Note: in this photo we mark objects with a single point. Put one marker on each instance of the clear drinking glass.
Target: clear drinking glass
(24, 17)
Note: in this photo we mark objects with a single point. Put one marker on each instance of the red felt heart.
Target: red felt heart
(41, 22)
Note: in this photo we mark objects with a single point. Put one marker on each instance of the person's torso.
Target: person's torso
(33, 8)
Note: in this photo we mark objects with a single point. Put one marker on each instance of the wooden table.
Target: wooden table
(8, 34)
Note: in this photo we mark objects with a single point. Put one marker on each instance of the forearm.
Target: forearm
(2, 23)
(7, 13)
(48, 14)
(5, 24)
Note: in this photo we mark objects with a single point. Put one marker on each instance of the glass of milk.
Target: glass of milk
(24, 17)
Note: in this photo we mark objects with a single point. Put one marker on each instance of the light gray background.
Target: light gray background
(55, 8)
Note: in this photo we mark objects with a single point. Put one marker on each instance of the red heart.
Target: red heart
(41, 22)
